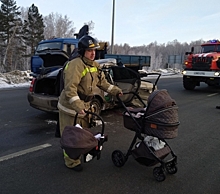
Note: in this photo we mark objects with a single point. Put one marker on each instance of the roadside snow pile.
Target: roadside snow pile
(169, 71)
(164, 72)
(14, 78)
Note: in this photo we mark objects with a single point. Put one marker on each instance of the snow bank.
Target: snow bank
(15, 79)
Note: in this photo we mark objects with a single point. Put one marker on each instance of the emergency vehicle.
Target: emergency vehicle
(203, 66)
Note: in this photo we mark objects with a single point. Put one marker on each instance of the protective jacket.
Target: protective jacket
(81, 77)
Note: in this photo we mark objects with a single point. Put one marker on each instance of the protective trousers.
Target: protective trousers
(68, 120)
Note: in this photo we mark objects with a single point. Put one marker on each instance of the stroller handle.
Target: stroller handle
(94, 114)
(126, 93)
(156, 81)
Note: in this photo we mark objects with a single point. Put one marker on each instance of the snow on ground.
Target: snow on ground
(22, 78)
(15, 79)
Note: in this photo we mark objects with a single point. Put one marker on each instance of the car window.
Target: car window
(49, 46)
(208, 48)
(68, 48)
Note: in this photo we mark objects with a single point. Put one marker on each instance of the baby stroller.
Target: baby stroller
(77, 141)
(152, 124)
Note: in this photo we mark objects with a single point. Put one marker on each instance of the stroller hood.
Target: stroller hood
(163, 110)
(159, 99)
(160, 117)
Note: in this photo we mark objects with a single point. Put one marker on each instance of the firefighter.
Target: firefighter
(81, 76)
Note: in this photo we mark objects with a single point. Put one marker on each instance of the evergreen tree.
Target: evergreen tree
(9, 19)
(33, 30)
(9, 26)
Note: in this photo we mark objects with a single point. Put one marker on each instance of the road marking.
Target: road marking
(213, 94)
(23, 152)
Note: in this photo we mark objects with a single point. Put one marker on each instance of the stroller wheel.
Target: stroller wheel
(171, 168)
(118, 158)
(159, 174)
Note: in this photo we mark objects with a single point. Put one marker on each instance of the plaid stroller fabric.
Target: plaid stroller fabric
(159, 118)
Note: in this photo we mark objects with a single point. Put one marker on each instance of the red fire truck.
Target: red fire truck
(203, 66)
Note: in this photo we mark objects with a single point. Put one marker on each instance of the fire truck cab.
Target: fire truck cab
(203, 66)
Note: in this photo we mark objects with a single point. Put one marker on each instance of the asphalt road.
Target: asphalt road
(31, 158)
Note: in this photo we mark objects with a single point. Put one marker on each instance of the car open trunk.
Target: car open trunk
(46, 62)
(49, 84)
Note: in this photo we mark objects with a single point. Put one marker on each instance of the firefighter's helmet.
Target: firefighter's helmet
(87, 42)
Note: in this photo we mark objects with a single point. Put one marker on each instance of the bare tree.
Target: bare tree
(91, 25)
(58, 26)
(25, 61)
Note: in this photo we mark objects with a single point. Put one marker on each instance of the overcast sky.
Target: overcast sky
(139, 22)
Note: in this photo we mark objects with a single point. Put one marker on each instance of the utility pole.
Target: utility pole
(113, 21)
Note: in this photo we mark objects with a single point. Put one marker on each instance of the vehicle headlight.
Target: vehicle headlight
(217, 74)
(183, 72)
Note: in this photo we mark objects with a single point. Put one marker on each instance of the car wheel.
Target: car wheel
(96, 104)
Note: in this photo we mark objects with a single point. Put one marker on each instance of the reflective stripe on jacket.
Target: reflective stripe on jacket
(82, 75)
